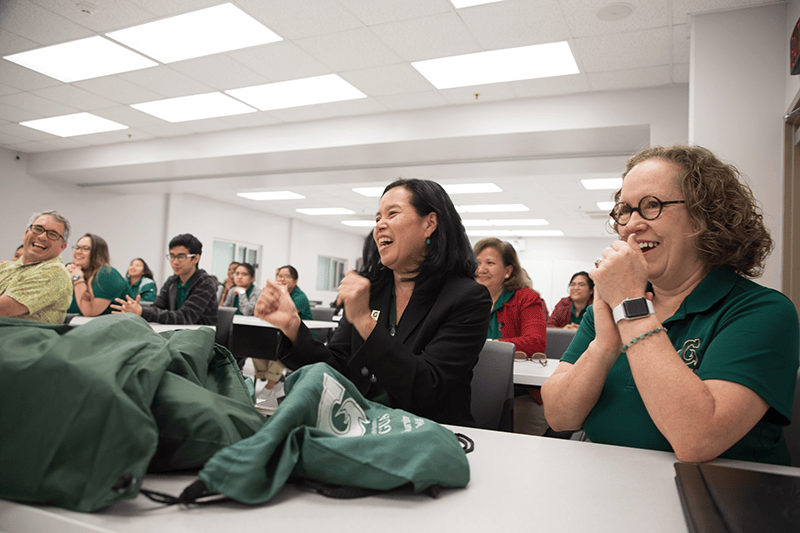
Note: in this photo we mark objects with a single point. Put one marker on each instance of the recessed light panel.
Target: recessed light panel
(296, 93)
(359, 223)
(602, 184)
(314, 211)
(511, 64)
(492, 208)
(81, 60)
(194, 107)
(489, 233)
(458, 4)
(520, 222)
(199, 33)
(75, 124)
(271, 195)
(605, 206)
(475, 223)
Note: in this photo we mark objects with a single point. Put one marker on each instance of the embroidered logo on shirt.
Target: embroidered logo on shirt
(689, 353)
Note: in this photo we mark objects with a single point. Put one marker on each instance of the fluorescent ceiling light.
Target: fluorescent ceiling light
(523, 63)
(81, 60)
(605, 206)
(295, 93)
(200, 33)
(371, 192)
(326, 211)
(471, 188)
(602, 184)
(538, 233)
(194, 107)
(520, 222)
(492, 208)
(472, 223)
(72, 125)
(271, 195)
(359, 223)
(489, 233)
(458, 4)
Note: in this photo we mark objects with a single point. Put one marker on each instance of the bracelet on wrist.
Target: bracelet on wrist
(642, 336)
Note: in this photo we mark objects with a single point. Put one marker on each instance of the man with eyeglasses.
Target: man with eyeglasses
(36, 286)
(187, 297)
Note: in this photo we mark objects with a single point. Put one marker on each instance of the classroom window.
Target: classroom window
(330, 272)
(226, 252)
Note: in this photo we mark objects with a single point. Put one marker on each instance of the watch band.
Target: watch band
(633, 308)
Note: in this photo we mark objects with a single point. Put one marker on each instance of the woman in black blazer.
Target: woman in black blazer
(415, 319)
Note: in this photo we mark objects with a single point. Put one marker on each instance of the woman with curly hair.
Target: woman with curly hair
(681, 352)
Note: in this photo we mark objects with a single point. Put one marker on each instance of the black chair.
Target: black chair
(558, 341)
(493, 387)
(792, 432)
(326, 314)
(225, 326)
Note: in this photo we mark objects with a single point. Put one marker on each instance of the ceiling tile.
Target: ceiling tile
(39, 25)
(280, 61)
(23, 78)
(361, 106)
(207, 124)
(680, 73)
(161, 8)
(300, 114)
(583, 20)
(514, 23)
(219, 72)
(624, 50)
(349, 50)
(11, 43)
(15, 114)
(74, 97)
(295, 19)
(440, 35)
(387, 79)
(36, 147)
(576, 83)
(133, 118)
(166, 81)
(252, 120)
(24, 133)
(372, 12)
(10, 138)
(486, 93)
(166, 129)
(629, 79)
(36, 104)
(421, 100)
(681, 47)
(5, 89)
(119, 90)
(106, 15)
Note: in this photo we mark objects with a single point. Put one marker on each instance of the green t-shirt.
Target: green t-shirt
(107, 284)
(729, 328)
(183, 290)
(301, 303)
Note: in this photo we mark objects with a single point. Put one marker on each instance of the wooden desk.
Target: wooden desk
(584, 487)
(532, 372)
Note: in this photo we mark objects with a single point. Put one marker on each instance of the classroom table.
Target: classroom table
(518, 482)
(241, 320)
(532, 372)
(158, 328)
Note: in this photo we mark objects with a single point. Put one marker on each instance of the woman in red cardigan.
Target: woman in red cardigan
(569, 311)
(517, 311)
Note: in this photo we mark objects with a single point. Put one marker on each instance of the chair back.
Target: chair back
(493, 387)
(225, 326)
(558, 341)
(792, 432)
(322, 313)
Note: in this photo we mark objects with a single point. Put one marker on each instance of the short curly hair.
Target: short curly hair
(729, 222)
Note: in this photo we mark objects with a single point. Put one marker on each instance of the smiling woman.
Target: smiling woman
(680, 352)
(95, 282)
(415, 320)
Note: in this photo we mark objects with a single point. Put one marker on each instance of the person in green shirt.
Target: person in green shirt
(680, 351)
(140, 278)
(244, 294)
(95, 282)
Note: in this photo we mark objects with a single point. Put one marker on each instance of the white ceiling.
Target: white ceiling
(369, 43)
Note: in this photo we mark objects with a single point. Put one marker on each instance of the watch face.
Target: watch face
(635, 308)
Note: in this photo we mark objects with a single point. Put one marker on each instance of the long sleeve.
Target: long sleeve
(561, 314)
(200, 306)
(522, 322)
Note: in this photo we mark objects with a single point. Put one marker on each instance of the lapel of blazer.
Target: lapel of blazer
(415, 312)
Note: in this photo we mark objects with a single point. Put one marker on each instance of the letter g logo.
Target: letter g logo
(353, 417)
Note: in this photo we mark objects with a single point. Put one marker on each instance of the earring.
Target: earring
(427, 241)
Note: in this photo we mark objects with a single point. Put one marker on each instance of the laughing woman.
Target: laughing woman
(415, 319)
(95, 282)
(140, 278)
(680, 351)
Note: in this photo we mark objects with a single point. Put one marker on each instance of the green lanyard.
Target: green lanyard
(393, 315)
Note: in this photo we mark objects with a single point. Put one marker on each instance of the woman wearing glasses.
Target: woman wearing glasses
(680, 351)
(414, 320)
(569, 311)
(95, 282)
(244, 294)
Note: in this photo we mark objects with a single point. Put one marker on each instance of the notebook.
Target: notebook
(733, 500)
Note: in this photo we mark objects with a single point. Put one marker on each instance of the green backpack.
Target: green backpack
(86, 411)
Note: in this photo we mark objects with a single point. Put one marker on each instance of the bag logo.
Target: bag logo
(348, 420)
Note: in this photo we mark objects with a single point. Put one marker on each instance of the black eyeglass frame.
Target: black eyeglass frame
(614, 214)
(40, 229)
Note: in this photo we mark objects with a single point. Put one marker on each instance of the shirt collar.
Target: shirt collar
(711, 289)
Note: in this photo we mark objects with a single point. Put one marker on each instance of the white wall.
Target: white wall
(737, 102)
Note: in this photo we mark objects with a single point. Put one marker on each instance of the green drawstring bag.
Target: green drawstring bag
(326, 431)
(86, 411)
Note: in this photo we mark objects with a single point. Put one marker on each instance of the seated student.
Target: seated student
(244, 294)
(569, 311)
(140, 278)
(287, 276)
(187, 297)
(680, 351)
(95, 282)
(18, 252)
(37, 286)
(227, 284)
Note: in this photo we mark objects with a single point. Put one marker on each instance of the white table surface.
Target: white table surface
(518, 482)
(532, 372)
(310, 324)
(80, 320)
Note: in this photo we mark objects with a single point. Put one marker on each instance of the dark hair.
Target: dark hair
(518, 279)
(729, 226)
(147, 273)
(449, 253)
(237, 263)
(249, 267)
(589, 280)
(292, 271)
(189, 241)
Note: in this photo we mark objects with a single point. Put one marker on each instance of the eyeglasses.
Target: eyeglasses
(52, 235)
(82, 248)
(578, 284)
(179, 257)
(539, 357)
(283, 276)
(649, 208)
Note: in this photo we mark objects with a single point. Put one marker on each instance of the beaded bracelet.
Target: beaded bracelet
(641, 337)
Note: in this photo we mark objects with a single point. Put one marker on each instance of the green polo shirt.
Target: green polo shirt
(728, 328)
(183, 290)
(494, 324)
(576, 319)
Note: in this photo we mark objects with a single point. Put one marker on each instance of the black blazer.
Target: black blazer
(426, 369)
